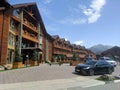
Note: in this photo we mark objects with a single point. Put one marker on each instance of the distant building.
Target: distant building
(63, 49)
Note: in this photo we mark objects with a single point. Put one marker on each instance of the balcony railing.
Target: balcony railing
(30, 36)
(62, 47)
(30, 25)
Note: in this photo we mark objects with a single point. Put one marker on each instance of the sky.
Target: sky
(82, 22)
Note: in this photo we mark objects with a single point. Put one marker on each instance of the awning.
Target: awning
(32, 48)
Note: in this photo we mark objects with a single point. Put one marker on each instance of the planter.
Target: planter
(67, 61)
(33, 63)
(74, 63)
(17, 65)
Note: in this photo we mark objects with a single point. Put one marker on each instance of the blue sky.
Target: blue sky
(83, 22)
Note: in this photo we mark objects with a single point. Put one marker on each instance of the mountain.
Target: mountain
(114, 51)
(99, 48)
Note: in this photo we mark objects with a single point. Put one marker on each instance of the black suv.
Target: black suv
(94, 67)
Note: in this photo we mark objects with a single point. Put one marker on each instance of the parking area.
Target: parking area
(115, 73)
(37, 73)
(42, 72)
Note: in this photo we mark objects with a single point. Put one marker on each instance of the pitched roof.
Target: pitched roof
(24, 5)
(55, 36)
(4, 3)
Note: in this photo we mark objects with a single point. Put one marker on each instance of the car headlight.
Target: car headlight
(86, 68)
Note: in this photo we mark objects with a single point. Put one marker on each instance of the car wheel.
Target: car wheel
(110, 70)
(91, 72)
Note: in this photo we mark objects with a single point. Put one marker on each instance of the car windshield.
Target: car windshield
(91, 62)
(105, 58)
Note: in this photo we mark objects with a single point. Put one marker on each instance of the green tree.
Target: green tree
(75, 56)
(18, 57)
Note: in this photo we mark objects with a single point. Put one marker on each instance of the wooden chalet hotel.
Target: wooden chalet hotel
(22, 32)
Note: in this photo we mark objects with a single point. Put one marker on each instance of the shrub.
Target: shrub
(48, 61)
(75, 56)
(18, 57)
(34, 56)
(106, 78)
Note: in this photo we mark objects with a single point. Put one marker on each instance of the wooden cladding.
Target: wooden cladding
(4, 36)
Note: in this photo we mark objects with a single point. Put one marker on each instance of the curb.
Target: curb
(94, 85)
(116, 81)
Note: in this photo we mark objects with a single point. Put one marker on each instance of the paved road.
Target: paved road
(37, 73)
(57, 84)
(42, 72)
(113, 86)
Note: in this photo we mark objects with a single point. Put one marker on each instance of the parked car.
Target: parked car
(94, 67)
(109, 60)
(87, 59)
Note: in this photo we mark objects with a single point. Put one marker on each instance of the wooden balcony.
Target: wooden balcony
(61, 47)
(16, 19)
(30, 15)
(29, 25)
(30, 36)
(13, 32)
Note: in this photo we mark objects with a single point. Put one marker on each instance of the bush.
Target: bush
(48, 61)
(18, 57)
(34, 56)
(75, 56)
(106, 78)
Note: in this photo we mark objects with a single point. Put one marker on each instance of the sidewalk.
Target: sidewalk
(58, 84)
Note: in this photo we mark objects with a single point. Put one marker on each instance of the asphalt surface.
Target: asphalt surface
(37, 73)
(54, 77)
(112, 86)
(43, 72)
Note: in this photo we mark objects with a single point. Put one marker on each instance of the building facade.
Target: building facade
(22, 30)
(64, 50)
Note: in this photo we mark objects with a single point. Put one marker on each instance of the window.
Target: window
(11, 40)
(102, 63)
(40, 39)
(16, 13)
(12, 25)
(40, 46)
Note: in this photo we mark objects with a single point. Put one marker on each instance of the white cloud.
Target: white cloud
(78, 42)
(47, 1)
(93, 18)
(66, 39)
(93, 12)
(74, 21)
(97, 4)
(79, 21)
